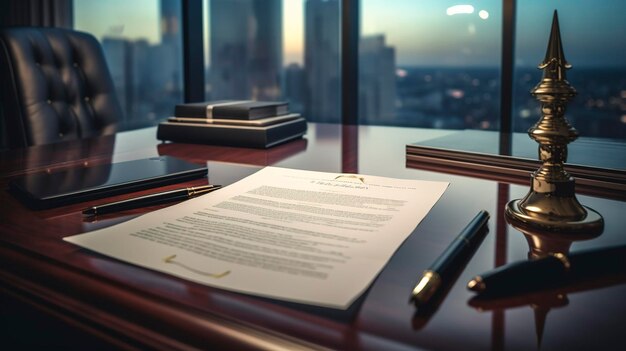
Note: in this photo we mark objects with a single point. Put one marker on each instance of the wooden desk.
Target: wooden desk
(115, 304)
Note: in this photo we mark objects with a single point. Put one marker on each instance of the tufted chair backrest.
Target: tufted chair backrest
(55, 86)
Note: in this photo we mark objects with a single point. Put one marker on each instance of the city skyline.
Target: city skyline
(249, 62)
(423, 32)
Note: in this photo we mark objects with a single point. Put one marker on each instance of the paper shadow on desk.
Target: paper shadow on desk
(199, 153)
(338, 315)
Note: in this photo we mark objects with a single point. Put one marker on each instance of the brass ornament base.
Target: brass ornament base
(588, 226)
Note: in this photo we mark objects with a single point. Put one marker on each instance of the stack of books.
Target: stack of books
(257, 124)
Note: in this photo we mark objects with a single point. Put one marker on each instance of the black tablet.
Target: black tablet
(77, 184)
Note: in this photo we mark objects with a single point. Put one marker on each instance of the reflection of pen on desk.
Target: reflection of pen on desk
(554, 270)
(149, 200)
(544, 283)
(451, 260)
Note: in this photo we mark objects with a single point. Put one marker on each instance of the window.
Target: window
(142, 44)
(432, 64)
(422, 63)
(444, 59)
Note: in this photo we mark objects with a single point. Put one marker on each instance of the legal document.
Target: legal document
(309, 237)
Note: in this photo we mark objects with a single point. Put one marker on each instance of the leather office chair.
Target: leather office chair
(55, 86)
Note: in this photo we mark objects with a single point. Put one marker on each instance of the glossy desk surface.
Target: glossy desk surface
(132, 307)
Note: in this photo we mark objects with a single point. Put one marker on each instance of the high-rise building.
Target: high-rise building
(119, 56)
(143, 84)
(169, 52)
(170, 21)
(322, 60)
(147, 77)
(377, 80)
(294, 87)
(245, 49)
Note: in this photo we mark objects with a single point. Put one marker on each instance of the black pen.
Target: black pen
(451, 260)
(554, 270)
(148, 200)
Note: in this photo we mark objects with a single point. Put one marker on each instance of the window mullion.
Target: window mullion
(193, 50)
(506, 80)
(350, 61)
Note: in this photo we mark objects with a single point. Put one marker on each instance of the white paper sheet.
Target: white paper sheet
(303, 236)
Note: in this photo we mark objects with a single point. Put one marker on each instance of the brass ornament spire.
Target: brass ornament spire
(551, 203)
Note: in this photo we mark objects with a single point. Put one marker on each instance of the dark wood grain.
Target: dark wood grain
(129, 307)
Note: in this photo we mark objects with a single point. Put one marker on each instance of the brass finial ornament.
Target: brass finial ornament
(551, 203)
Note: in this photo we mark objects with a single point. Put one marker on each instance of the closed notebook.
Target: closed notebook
(232, 109)
(232, 135)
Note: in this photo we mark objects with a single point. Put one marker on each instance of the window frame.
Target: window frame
(193, 62)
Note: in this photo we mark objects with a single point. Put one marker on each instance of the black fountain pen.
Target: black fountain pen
(149, 200)
(551, 271)
(445, 269)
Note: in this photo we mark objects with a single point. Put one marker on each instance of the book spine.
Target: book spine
(232, 112)
(242, 112)
(190, 111)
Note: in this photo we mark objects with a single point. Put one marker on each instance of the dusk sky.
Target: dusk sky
(423, 32)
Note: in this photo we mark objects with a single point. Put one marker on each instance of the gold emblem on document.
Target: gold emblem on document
(351, 177)
(170, 259)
